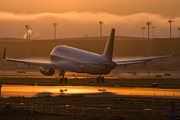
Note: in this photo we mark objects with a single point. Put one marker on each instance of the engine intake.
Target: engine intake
(47, 71)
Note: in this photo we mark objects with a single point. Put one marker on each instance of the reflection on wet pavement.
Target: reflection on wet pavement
(87, 91)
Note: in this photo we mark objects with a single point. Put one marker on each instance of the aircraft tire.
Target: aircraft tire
(98, 79)
(66, 80)
(61, 80)
(60, 74)
(102, 79)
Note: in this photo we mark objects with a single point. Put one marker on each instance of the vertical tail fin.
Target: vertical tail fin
(108, 51)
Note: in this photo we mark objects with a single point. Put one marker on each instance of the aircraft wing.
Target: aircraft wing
(143, 60)
(32, 62)
(63, 65)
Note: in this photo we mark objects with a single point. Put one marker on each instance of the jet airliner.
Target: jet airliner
(66, 58)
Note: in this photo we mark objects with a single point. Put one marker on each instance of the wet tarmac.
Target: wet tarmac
(87, 91)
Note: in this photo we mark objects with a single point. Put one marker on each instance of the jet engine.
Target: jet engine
(47, 71)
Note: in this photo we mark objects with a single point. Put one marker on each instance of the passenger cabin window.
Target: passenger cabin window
(61, 50)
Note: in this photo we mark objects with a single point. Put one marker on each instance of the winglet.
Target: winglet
(174, 49)
(4, 56)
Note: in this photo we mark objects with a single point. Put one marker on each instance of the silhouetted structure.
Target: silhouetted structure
(148, 24)
(170, 21)
(27, 31)
(179, 31)
(55, 24)
(153, 31)
(100, 23)
(143, 28)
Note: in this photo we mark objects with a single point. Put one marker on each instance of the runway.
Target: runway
(116, 73)
(87, 91)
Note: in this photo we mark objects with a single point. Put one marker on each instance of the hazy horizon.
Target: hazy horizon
(79, 18)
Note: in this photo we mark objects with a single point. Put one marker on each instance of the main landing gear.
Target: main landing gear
(62, 73)
(100, 79)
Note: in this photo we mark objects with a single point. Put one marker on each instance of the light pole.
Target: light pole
(170, 21)
(143, 28)
(153, 31)
(179, 31)
(100, 23)
(55, 24)
(148, 24)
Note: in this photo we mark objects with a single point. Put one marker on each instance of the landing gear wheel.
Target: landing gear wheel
(62, 73)
(102, 79)
(66, 80)
(98, 79)
(61, 80)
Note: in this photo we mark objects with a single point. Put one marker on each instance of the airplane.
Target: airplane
(66, 58)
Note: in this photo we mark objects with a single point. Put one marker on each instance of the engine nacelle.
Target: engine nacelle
(47, 71)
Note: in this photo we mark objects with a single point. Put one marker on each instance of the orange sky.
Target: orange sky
(78, 18)
(168, 8)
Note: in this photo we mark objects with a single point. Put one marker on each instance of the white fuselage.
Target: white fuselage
(83, 61)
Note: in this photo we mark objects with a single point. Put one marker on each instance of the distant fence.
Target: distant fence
(55, 109)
